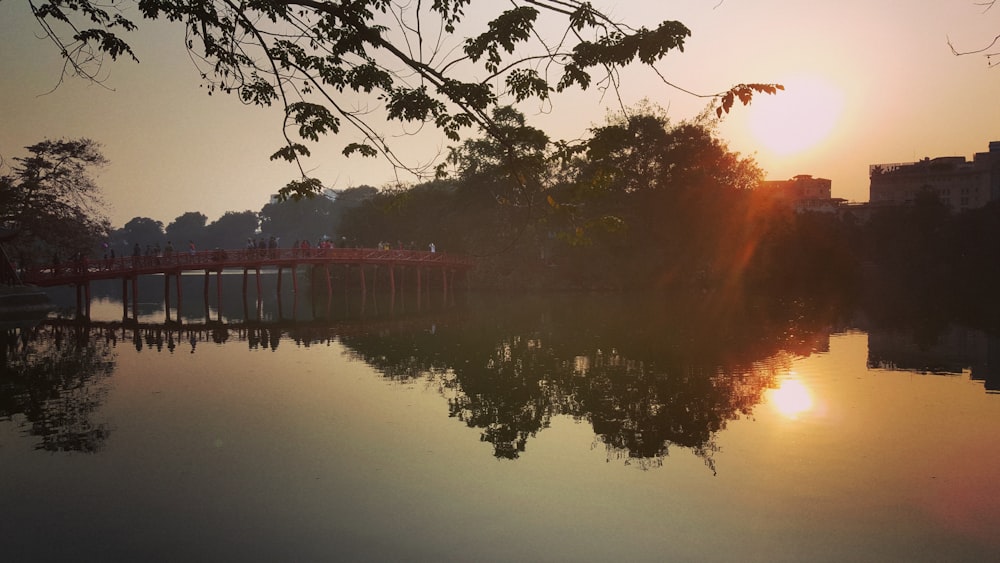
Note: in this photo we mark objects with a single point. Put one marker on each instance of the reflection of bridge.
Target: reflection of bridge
(129, 268)
(266, 333)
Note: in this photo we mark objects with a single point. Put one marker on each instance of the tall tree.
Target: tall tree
(298, 219)
(142, 230)
(315, 59)
(668, 201)
(189, 226)
(230, 230)
(50, 197)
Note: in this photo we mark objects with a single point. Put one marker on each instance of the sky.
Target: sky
(867, 82)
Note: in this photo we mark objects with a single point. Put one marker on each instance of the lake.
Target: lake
(583, 427)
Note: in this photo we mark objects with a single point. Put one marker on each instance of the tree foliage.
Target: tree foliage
(186, 227)
(229, 230)
(320, 61)
(142, 229)
(300, 219)
(50, 197)
(640, 200)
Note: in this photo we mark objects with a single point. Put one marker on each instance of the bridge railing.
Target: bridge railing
(234, 258)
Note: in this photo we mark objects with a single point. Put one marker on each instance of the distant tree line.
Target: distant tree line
(309, 219)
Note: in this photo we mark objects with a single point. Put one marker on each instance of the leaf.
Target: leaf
(744, 92)
(258, 91)
(412, 104)
(508, 29)
(525, 83)
(365, 150)
(299, 189)
(290, 152)
(107, 42)
(583, 16)
(313, 119)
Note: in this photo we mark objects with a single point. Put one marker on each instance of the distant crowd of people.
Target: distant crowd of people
(154, 254)
(151, 254)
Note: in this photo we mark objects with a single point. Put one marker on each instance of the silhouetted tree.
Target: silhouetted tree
(51, 198)
(649, 203)
(640, 203)
(293, 220)
(188, 226)
(142, 230)
(505, 178)
(230, 230)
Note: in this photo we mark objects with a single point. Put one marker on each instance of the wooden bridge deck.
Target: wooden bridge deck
(126, 267)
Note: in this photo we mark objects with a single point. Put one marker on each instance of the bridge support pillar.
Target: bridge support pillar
(124, 298)
(180, 296)
(218, 293)
(444, 283)
(83, 299)
(135, 297)
(166, 294)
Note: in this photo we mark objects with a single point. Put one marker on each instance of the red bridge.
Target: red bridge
(128, 268)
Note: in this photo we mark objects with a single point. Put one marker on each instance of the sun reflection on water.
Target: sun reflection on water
(792, 398)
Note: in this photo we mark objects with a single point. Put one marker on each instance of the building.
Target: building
(959, 183)
(804, 193)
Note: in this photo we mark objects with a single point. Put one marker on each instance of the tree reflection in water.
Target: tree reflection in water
(53, 381)
(644, 379)
(646, 374)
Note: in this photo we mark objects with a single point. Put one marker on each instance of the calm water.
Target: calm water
(496, 428)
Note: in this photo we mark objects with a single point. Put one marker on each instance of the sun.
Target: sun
(798, 118)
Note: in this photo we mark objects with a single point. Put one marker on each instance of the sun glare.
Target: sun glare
(791, 398)
(798, 118)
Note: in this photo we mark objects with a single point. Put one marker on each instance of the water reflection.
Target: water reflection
(53, 380)
(647, 375)
(644, 383)
(948, 350)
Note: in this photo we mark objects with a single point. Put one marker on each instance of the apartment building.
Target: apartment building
(959, 183)
(804, 193)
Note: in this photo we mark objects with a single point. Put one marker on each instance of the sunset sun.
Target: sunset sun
(797, 119)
